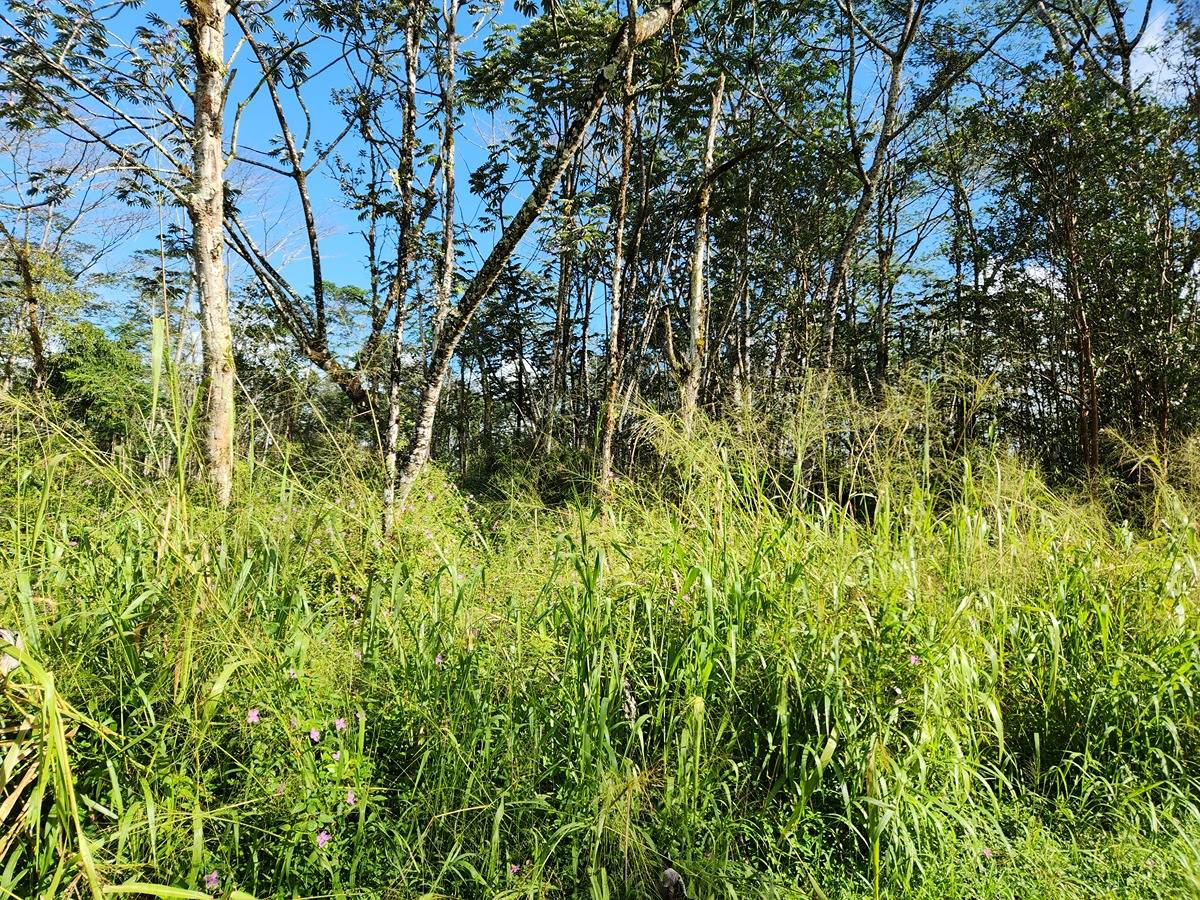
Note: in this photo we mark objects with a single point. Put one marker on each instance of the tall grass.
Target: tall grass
(838, 657)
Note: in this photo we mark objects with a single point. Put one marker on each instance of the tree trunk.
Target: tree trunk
(445, 285)
(400, 283)
(612, 380)
(22, 254)
(206, 208)
(689, 389)
(623, 44)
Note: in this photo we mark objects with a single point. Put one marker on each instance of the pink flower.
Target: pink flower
(314, 734)
(252, 715)
(337, 754)
(212, 880)
(987, 852)
(322, 838)
(914, 660)
(350, 798)
(437, 660)
(340, 724)
(513, 868)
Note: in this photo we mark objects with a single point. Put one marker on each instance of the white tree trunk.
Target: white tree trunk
(400, 284)
(689, 392)
(207, 211)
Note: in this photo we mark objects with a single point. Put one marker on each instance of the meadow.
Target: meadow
(821, 660)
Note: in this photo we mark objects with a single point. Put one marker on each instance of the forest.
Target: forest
(580, 448)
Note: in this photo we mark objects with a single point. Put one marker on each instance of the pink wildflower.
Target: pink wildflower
(252, 715)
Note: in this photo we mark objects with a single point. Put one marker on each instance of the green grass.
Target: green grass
(939, 679)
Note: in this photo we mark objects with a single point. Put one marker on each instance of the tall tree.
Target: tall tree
(621, 46)
(73, 71)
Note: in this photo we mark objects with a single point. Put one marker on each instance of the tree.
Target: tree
(73, 71)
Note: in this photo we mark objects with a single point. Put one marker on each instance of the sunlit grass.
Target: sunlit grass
(878, 667)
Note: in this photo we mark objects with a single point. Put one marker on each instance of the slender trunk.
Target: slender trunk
(445, 286)
(646, 27)
(207, 211)
(1089, 405)
(884, 246)
(583, 383)
(31, 312)
(560, 352)
(613, 374)
(697, 307)
(869, 178)
(400, 284)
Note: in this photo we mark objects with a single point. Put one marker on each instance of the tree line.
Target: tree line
(694, 206)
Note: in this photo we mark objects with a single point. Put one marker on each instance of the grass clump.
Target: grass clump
(880, 667)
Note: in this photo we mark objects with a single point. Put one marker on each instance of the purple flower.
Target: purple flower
(437, 660)
(252, 715)
(987, 852)
(337, 754)
(314, 734)
(350, 798)
(513, 868)
(212, 880)
(322, 838)
(340, 724)
(914, 660)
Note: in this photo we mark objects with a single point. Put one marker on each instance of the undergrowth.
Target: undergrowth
(838, 661)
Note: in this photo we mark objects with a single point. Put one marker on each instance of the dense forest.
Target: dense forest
(588, 449)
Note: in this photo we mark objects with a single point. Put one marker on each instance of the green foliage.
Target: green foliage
(101, 381)
(884, 669)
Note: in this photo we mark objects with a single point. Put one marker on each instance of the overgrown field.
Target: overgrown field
(940, 680)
